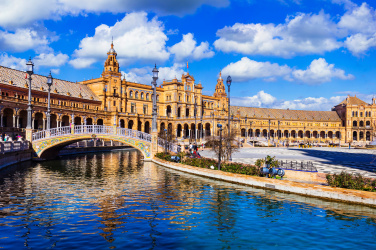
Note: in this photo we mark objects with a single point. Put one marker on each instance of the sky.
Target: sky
(296, 54)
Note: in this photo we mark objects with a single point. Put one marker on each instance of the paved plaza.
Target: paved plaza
(326, 160)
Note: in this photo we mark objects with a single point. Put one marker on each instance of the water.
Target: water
(111, 200)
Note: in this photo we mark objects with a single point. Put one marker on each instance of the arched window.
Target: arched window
(131, 94)
(142, 95)
(361, 114)
(136, 95)
(147, 96)
(179, 98)
(356, 113)
(353, 113)
(157, 98)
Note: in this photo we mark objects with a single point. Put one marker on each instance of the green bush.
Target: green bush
(163, 156)
(346, 180)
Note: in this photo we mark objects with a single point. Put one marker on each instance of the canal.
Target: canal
(113, 200)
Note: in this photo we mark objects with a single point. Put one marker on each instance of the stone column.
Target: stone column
(44, 123)
(14, 121)
(1, 120)
(189, 134)
(33, 123)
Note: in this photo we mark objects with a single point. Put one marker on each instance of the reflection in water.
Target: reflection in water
(114, 200)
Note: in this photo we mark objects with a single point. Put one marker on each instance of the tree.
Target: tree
(226, 147)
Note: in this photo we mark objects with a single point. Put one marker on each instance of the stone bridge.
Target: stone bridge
(47, 143)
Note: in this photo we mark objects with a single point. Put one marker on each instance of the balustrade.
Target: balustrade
(13, 146)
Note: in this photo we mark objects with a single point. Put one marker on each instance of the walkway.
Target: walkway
(326, 160)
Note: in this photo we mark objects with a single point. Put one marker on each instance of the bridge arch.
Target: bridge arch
(47, 144)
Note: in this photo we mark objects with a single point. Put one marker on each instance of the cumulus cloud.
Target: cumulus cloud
(51, 60)
(187, 49)
(299, 35)
(247, 69)
(304, 34)
(135, 39)
(23, 12)
(12, 62)
(143, 75)
(319, 71)
(265, 100)
(23, 40)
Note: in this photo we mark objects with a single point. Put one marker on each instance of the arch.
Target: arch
(136, 95)
(315, 134)
(142, 95)
(355, 136)
(49, 148)
(272, 133)
(77, 120)
(147, 96)
(286, 134)
(179, 130)
(122, 123)
(361, 123)
(308, 134)
(207, 129)
(300, 134)
(8, 118)
(65, 121)
(131, 94)
(355, 123)
(293, 133)
(179, 112)
(100, 122)
(330, 134)
(193, 130)
(38, 120)
(258, 132)
(265, 133)
(250, 132)
(187, 112)
(169, 128)
(368, 136)
(139, 125)
(162, 127)
(337, 135)
(242, 132)
(89, 121)
(147, 127)
(361, 135)
(322, 134)
(53, 121)
(22, 119)
(186, 130)
(368, 123)
(130, 124)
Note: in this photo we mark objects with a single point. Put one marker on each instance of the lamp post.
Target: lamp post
(245, 135)
(229, 80)
(49, 83)
(154, 112)
(165, 140)
(253, 140)
(30, 67)
(202, 126)
(220, 145)
(269, 131)
(195, 111)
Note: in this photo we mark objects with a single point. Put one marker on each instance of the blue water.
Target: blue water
(113, 201)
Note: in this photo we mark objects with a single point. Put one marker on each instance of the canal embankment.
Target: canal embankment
(296, 186)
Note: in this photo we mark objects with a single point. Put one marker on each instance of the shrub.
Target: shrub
(346, 180)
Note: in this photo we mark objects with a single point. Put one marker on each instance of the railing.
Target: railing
(13, 146)
(294, 165)
(91, 129)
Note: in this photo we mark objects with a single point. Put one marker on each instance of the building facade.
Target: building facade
(182, 109)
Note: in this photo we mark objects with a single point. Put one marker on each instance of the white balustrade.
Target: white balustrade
(91, 129)
(13, 146)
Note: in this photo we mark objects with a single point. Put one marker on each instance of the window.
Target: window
(145, 109)
(131, 94)
(157, 98)
(147, 96)
(142, 95)
(361, 114)
(136, 95)
(133, 108)
(114, 103)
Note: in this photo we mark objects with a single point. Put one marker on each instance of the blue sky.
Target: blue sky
(297, 54)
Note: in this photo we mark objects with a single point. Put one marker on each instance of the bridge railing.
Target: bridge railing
(91, 129)
(13, 146)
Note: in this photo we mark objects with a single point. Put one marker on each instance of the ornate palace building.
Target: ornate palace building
(182, 109)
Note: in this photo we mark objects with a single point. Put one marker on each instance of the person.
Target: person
(190, 148)
(5, 137)
(179, 148)
(203, 146)
(349, 145)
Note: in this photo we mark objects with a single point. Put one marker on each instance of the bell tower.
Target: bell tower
(220, 90)
(111, 66)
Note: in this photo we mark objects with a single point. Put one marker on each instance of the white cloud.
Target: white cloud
(55, 71)
(265, 100)
(319, 71)
(12, 62)
(187, 49)
(247, 69)
(299, 35)
(24, 12)
(51, 60)
(261, 99)
(135, 39)
(144, 76)
(23, 40)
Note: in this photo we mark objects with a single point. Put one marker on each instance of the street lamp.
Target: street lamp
(166, 140)
(202, 126)
(30, 71)
(154, 112)
(49, 83)
(252, 133)
(269, 131)
(195, 111)
(220, 145)
(245, 120)
(229, 80)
